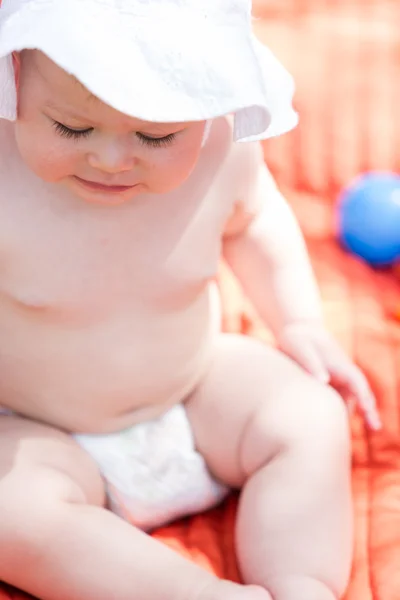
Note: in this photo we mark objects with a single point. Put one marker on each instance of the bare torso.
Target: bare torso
(107, 314)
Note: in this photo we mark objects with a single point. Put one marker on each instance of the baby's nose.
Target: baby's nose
(112, 157)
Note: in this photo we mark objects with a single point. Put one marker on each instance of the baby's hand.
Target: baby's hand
(313, 348)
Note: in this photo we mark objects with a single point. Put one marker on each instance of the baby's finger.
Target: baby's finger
(353, 381)
(359, 387)
(361, 393)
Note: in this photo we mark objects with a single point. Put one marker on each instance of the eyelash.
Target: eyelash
(76, 134)
(162, 142)
(71, 134)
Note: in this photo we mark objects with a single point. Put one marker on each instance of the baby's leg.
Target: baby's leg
(261, 422)
(59, 543)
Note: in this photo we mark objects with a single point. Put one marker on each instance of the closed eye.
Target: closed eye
(155, 142)
(76, 134)
(69, 133)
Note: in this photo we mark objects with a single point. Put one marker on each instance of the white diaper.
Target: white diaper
(153, 472)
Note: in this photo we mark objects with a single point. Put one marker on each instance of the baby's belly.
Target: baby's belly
(95, 378)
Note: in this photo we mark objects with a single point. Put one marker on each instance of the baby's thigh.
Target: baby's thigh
(40, 467)
(255, 402)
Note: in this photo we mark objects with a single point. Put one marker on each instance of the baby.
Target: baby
(123, 405)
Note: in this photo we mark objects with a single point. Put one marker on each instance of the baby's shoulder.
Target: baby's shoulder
(20, 189)
(10, 159)
(7, 135)
(240, 162)
(7, 142)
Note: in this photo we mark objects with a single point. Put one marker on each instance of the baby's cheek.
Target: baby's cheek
(47, 166)
(49, 161)
(174, 168)
(54, 166)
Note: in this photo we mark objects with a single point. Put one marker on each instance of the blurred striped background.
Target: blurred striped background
(345, 57)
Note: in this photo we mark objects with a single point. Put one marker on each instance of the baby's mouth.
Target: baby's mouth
(102, 187)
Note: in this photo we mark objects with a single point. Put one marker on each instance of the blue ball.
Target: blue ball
(369, 218)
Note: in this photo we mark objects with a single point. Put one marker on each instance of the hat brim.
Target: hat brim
(184, 70)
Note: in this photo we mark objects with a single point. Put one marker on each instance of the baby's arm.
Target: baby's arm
(265, 248)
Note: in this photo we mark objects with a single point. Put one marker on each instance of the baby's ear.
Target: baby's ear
(16, 58)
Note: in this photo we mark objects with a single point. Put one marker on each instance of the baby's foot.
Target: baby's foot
(226, 590)
(304, 588)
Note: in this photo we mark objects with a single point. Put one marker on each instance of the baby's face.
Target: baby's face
(67, 136)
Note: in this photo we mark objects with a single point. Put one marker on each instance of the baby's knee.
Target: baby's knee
(325, 415)
(32, 502)
(311, 420)
(319, 419)
(322, 430)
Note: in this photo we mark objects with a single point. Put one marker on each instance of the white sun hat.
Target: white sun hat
(156, 60)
